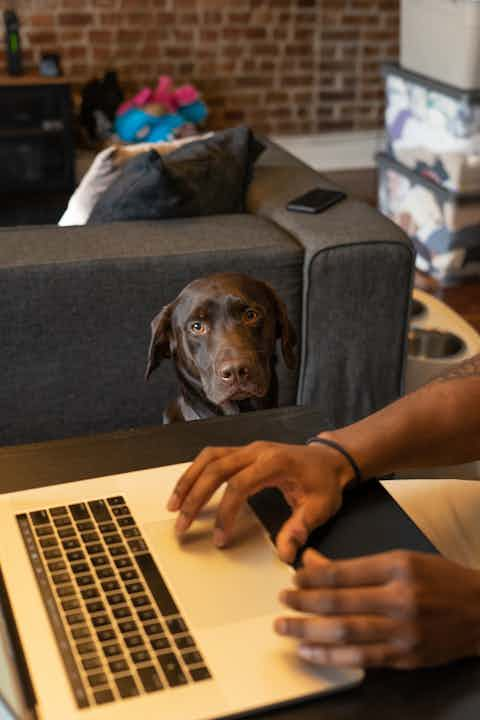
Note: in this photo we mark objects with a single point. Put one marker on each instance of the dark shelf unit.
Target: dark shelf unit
(36, 148)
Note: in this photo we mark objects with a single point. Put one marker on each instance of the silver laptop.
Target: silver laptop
(115, 615)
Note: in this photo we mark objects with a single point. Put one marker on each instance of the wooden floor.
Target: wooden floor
(464, 299)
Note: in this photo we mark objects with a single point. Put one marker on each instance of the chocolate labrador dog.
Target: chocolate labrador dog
(221, 333)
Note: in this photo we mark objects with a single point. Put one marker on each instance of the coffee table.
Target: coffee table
(448, 693)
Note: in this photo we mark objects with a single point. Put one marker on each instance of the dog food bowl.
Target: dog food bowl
(427, 343)
(417, 309)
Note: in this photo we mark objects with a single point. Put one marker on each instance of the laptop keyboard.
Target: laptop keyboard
(119, 631)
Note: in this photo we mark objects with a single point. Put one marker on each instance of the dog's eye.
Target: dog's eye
(198, 327)
(250, 316)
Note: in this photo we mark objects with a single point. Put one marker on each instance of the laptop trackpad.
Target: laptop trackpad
(213, 586)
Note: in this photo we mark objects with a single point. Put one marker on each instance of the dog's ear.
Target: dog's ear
(285, 330)
(160, 339)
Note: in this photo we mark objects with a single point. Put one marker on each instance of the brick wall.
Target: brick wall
(283, 66)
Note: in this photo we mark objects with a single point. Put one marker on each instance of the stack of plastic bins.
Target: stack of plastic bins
(429, 176)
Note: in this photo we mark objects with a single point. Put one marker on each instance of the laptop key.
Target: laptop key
(81, 633)
(160, 643)
(100, 560)
(80, 568)
(127, 575)
(91, 663)
(71, 544)
(97, 679)
(121, 510)
(70, 604)
(89, 593)
(104, 572)
(95, 606)
(39, 517)
(94, 549)
(67, 532)
(156, 584)
(83, 580)
(86, 648)
(103, 696)
(116, 550)
(110, 585)
(107, 528)
(135, 587)
(121, 612)
(192, 658)
(117, 500)
(65, 591)
(90, 537)
(100, 621)
(75, 618)
(61, 578)
(116, 599)
(132, 641)
(111, 650)
(47, 542)
(171, 668)
(75, 555)
(43, 530)
(52, 553)
(184, 642)
(140, 656)
(112, 539)
(100, 511)
(126, 686)
(177, 625)
(147, 614)
(126, 521)
(200, 673)
(60, 510)
(85, 525)
(62, 521)
(79, 511)
(150, 679)
(153, 629)
(140, 600)
(128, 626)
(123, 562)
(56, 566)
(131, 532)
(137, 546)
(118, 666)
(106, 635)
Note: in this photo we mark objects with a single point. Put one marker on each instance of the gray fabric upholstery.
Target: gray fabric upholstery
(76, 304)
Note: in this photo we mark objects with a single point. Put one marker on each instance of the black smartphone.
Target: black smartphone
(316, 200)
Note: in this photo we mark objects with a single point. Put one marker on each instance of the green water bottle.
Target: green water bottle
(12, 36)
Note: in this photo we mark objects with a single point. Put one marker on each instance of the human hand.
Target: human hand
(311, 479)
(398, 609)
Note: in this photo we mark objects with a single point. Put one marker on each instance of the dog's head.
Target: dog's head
(221, 332)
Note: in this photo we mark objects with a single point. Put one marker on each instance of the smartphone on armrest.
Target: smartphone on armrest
(316, 200)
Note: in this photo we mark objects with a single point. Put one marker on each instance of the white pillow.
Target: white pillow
(95, 181)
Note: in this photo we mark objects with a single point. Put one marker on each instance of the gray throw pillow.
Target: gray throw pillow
(207, 177)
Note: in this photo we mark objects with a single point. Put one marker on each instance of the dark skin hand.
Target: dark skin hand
(397, 609)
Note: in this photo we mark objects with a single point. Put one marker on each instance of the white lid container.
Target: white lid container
(441, 39)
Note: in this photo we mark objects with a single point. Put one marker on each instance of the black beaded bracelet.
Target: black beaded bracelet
(358, 477)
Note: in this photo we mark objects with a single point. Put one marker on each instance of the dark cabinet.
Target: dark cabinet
(36, 138)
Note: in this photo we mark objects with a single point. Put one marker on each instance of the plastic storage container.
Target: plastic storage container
(441, 39)
(433, 129)
(444, 226)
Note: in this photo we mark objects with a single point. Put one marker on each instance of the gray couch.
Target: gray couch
(76, 303)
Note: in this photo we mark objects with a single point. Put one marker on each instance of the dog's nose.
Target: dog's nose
(233, 373)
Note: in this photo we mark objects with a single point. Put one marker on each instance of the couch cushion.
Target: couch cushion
(75, 311)
(206, 177)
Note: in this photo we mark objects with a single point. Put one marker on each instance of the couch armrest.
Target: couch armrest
(357, 278)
